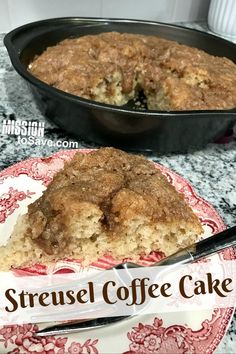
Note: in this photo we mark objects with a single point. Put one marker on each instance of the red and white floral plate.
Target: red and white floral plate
(170, 333)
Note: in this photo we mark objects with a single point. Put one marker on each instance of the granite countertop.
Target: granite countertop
(212, 171)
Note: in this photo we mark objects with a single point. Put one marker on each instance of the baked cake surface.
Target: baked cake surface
(113, 67)
(106, 202)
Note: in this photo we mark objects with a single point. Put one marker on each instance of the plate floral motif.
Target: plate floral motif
(25, 342)
(9, 202)
(177, 339)
(153, 335)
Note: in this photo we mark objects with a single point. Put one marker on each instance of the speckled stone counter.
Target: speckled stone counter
(212, 171)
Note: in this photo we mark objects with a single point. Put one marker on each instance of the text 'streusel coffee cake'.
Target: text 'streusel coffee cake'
(106, 202)
(114, 68)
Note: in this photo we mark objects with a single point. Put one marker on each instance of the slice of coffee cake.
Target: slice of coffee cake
(106, 202)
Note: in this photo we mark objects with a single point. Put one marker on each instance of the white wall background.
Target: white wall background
(14, 13)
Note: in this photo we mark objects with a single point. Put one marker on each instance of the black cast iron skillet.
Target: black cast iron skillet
(124, 127)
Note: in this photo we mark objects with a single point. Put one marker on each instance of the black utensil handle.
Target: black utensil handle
(215, 243)
(204, 248)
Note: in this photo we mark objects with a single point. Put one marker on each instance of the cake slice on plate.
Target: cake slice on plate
(107, 202)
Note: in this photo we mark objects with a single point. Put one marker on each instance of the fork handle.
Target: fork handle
(204, 248)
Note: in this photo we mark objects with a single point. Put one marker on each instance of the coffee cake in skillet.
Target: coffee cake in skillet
(114, 68)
